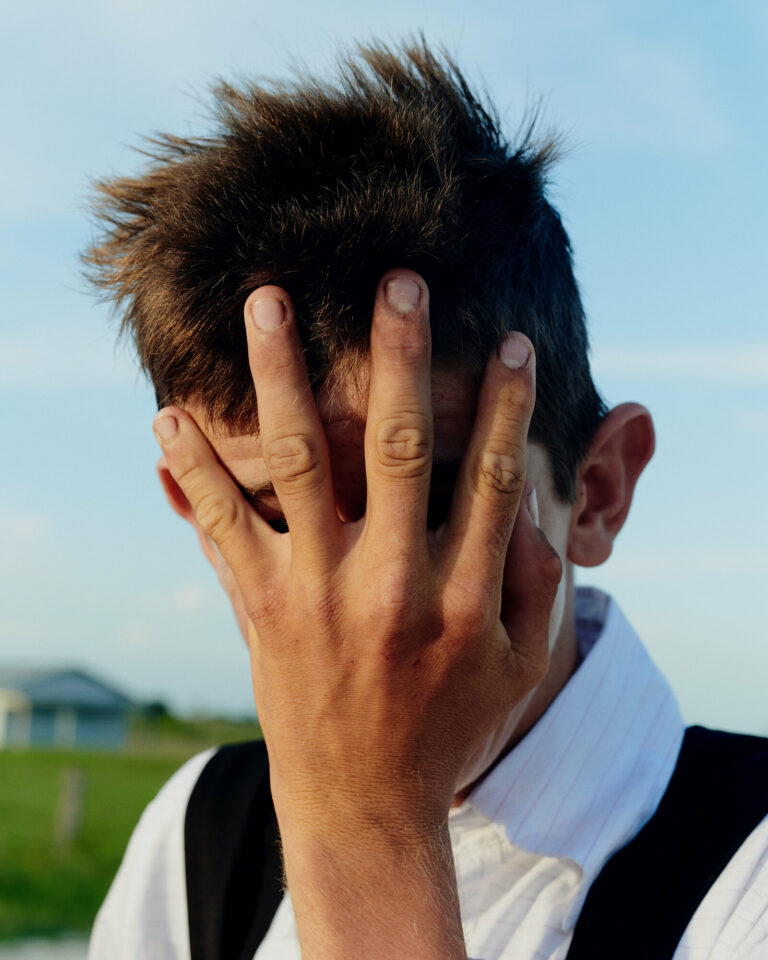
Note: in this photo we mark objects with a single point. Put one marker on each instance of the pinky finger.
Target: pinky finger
(532, 574)
(220, 510)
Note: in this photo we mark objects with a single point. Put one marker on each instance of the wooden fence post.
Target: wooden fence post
(69, 810)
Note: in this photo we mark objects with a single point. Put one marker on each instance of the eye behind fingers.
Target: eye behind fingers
(443, 481)
(269, 512)
(272, 516)
(278, 524)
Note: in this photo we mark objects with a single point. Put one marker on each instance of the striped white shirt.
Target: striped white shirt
(528, 841)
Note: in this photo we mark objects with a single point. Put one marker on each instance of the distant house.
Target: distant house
(61, 708)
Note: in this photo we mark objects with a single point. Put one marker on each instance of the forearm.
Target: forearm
(383, 895)
(374, 714)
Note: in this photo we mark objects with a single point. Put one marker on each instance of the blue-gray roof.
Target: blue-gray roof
(64, 688)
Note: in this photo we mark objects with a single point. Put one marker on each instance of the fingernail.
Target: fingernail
(514, 352)
(166, 426)
(268, 314)
(403, 294)
(533, 505)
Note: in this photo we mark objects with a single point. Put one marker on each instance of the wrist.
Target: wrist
(396, 812)
(374, 892)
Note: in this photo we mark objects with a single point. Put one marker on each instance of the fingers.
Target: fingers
(492, 474)
(292, 435)
(399, 428)
(244, 539)
(532, 573)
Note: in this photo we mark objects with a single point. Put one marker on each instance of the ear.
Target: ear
(623, 445)
(180, 505)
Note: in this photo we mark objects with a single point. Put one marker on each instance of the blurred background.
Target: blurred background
(105, 599)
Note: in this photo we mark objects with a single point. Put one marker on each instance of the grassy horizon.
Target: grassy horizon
(46, 890)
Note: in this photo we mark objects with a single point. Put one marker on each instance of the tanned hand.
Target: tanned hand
(384, 655)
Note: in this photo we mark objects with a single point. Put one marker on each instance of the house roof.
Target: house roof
(63, 688)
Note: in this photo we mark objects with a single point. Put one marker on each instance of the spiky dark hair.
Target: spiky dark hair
(321, 187)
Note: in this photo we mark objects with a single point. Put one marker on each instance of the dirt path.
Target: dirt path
(69, 948)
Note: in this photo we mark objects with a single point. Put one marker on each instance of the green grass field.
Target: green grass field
(47, 889)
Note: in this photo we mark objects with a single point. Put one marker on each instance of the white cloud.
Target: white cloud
(135, 636)
(730, 362)
(752, 421)
(691, 561)
(609, 83)
(57, 361)
(23, 526)
(655, 95)
(189, 597)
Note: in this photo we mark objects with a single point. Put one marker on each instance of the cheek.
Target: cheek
(558, 610)
(554, 522)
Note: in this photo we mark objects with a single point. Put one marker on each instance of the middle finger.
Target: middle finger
(399, 428)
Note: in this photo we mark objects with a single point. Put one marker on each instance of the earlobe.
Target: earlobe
(623, 445)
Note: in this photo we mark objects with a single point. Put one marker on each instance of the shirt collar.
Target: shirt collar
(593, 769)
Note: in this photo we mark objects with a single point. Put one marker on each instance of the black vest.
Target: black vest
(642, 900)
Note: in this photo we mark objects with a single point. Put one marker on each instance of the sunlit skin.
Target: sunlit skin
(392, 663)
(454, 393)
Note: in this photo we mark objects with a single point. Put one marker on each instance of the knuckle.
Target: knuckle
(404, 446)
(188, 474)
(270, 611)
(499, 474)
(324, 608)
(473, 605)
(319, 598)
(268, 605)
(293, 458)
(393, 601)
(218, 515)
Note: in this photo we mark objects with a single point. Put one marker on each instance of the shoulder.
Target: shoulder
(734, 913)
(145, 910)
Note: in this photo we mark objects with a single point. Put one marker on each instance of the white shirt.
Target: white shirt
(528, 841)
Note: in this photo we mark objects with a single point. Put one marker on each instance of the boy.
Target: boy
(358, 310)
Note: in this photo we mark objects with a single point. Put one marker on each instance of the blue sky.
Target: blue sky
(664, 194)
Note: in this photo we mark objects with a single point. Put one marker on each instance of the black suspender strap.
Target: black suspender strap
(645, 896)
(637, 908)
(232, 850)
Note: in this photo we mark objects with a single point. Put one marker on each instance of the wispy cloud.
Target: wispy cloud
(737, 363)
(61, 361)
(189, 597)
(752, 421)
(23, 525)
(25, 544)
(134, 636)
(692, 561)
(658, 97)
(616, 86)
